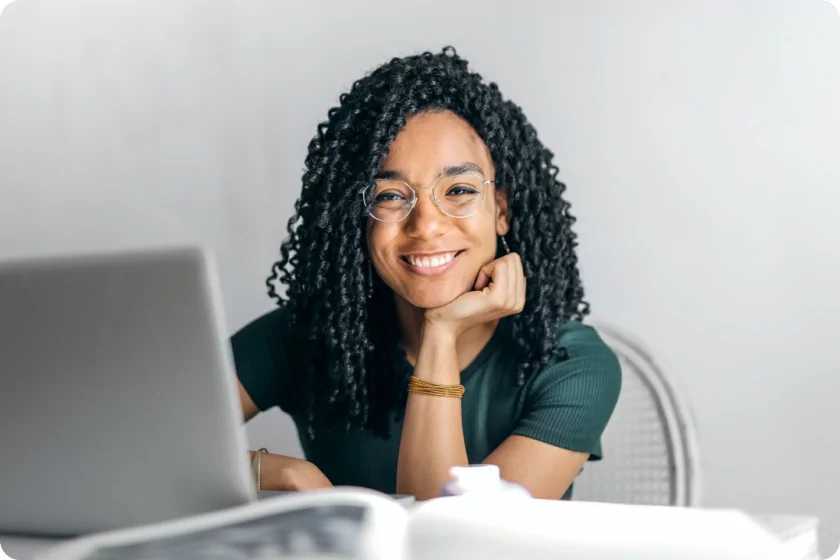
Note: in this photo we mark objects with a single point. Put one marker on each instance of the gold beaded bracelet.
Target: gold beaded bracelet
(417, 385)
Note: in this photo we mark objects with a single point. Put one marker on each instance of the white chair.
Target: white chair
(650, 446)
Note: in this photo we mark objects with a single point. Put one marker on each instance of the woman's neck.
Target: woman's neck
(412, 319)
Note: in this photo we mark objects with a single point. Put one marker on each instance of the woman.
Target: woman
(432, 309)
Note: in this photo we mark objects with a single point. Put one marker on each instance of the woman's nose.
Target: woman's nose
(426, 221)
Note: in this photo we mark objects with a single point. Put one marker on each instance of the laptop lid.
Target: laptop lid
(118, 401)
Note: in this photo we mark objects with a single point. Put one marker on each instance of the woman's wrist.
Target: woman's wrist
(437, 360)
(438, 333)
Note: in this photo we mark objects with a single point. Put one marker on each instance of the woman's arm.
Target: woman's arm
(567, 408)
(278, 472)
(545, 470)
(249, 409)
(432, 436)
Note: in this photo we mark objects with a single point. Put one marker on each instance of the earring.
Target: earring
(370, 281)
(505, 245)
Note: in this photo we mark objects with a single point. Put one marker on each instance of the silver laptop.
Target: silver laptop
(118, 403)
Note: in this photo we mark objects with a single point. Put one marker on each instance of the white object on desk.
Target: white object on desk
(466, 527)
(799, 535)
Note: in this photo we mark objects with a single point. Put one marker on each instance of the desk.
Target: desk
(800, 535)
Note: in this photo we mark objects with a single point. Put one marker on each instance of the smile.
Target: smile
(430, 264)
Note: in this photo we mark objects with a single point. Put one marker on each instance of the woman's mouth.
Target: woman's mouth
(430, 264)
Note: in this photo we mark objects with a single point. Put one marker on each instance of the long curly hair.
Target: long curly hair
(343, 315)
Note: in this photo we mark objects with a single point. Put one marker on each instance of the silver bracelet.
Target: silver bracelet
(256, 464)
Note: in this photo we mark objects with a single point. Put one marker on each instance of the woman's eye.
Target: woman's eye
(460, 190)
(388, 197)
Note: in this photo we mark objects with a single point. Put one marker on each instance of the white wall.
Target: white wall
(700, 142)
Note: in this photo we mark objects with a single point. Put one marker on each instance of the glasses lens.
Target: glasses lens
(460, 196)
(389, 201)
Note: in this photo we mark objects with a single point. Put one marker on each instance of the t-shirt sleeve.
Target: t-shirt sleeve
(569, 403)
(261, 360)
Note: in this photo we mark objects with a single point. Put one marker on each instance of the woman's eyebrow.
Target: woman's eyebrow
(448, 171)
(462, 169)
(389, 176)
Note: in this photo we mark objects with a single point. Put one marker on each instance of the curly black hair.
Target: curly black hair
(343, 314)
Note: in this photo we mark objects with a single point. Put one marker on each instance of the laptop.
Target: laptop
(118, 401)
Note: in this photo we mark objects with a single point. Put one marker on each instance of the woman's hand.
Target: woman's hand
(499, 291)
(278, 472)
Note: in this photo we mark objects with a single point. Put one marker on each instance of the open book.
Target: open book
(349, 523)
(337, 524)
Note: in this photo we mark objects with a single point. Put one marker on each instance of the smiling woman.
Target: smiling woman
(433, 302)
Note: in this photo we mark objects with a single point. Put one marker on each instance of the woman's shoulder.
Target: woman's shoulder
(273, 322)
(585, 359)
(263, 337)
(579, 340)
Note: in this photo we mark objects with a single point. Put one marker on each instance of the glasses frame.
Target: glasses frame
(434, 197)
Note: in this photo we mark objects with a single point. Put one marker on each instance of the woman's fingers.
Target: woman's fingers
(505, 283)
(502, 282)
(498, 285)
(521, 285)
(514, 272)
(483, 279)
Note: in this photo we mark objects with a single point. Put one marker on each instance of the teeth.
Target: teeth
(430, 262)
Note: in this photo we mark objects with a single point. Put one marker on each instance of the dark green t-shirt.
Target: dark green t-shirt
(567, 404)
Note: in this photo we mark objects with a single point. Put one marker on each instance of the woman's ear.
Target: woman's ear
(502, 216)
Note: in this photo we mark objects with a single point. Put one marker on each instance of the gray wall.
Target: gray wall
(700, 142)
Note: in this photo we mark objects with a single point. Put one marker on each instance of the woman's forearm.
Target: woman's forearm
(273, 469)
(433, 435)
(278, 472)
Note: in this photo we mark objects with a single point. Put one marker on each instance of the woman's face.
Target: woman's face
(429, 258)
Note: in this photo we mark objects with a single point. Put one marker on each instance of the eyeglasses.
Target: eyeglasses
(458, 196)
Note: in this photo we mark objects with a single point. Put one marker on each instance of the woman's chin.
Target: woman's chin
(431, 301)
